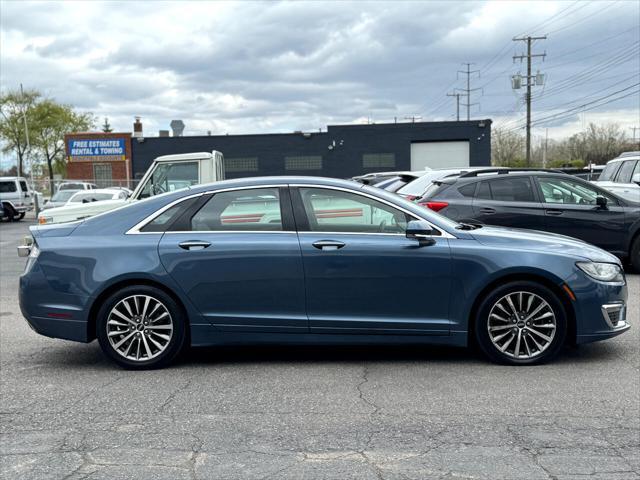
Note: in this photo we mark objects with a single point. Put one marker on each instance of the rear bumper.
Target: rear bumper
(51, 313)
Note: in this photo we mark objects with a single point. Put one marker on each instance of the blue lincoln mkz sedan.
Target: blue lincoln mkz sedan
(292, 260)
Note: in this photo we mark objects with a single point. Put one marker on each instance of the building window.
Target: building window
(241, 164)
(102, 174)
(303, 162)
(379, 160)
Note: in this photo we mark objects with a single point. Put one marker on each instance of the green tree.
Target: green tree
(15, 106)
(51, 122)
(106, 126)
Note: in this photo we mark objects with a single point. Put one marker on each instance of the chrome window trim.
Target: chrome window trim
(135, 230)
(443, 233)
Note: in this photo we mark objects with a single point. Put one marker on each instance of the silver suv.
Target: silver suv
(16, 197)
(622, 176)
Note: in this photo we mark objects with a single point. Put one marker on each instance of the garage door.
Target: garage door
(439, 155)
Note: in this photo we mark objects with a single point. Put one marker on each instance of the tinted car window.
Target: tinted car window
(23, 186)
(163, 221)
(560, 190)
(609, 171)
(512, 190)
(338, 211)
(6, 187)
(254, 209)
(467, 190)
(624, 176)
(484, 192)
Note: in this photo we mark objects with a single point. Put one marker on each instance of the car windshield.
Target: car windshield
(90, 196)
(63, 195)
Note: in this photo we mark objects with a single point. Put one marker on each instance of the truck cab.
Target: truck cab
(166, 174)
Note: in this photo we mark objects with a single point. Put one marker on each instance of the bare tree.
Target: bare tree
(507, 148)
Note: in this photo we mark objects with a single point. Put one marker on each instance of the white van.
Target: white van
(16, 197)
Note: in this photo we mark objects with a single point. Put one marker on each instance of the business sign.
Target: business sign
(97, 150)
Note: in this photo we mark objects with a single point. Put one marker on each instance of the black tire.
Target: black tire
(634, 254)
(177, 319)
(21, 216)
(531, 355)
(10, 212)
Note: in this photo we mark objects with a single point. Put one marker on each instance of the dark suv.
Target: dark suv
(541, 200)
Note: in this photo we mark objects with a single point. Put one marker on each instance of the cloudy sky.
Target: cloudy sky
(250, 67)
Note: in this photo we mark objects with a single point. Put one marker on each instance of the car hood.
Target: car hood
(534, 240)
(82, 210)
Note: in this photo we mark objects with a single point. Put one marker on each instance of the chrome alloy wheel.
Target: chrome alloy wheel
(521, 325)
(139, 327)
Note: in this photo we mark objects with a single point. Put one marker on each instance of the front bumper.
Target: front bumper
(600, 308)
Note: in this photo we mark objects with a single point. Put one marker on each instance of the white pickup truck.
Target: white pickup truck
(166, 174)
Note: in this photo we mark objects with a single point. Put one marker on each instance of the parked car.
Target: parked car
(541, 200)
(378, 177)
(86, 196)
(72, 185)
(166, 174)
(59, 199)
(622, 176)
(16, 197)
(355, 264)
(416, 189)
(394, 184)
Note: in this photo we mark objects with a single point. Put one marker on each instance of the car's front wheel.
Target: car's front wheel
(521, 323)
(141, 327)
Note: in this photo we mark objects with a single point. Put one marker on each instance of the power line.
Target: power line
(573, 24)
(457, 95)
(591, 105)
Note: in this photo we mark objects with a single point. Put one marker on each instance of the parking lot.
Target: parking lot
(322, 412)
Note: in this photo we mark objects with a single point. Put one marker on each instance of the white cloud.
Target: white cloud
(246, 67)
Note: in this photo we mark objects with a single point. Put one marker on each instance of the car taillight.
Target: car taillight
(435, 206)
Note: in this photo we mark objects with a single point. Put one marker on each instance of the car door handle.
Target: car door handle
(554, 211)
(488, 211)
(328, 244)
(193, 245)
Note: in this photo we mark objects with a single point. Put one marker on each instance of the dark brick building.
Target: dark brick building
(342, 151)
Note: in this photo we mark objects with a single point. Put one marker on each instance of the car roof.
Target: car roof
(275, 180)
(13, 178)
(624, 157)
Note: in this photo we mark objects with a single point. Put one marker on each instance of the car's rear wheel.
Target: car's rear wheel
(521, 323)
(141, 327)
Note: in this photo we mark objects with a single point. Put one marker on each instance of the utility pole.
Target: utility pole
(28, 147)
(457, 95)
(531, 80)
(544, 151)
(633, 129)
(467, 91)
(413, 118)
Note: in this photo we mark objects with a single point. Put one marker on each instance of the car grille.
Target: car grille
(613, 313)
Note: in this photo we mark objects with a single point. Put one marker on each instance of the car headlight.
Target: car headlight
(604, 272)
(42, 220)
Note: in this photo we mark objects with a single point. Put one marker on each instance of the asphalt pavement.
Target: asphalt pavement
(325, 412)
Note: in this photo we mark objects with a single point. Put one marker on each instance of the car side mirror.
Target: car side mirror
(601, 201)
(421, 231)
